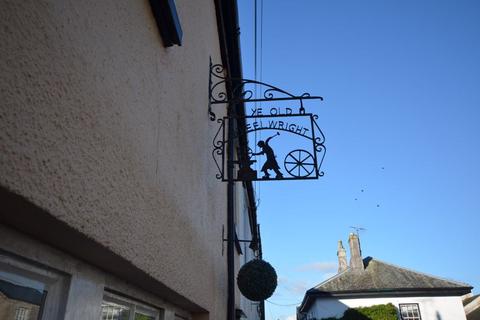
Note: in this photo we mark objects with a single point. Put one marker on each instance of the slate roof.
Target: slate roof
(382, 279)
(379, 275)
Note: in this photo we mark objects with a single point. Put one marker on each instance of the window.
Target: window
(119, 308)
(22, 313)
(410, 311)
(30, 292)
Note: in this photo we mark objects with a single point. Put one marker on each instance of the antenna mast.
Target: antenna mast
(358, 229)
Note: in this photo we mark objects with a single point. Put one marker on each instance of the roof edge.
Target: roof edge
(406, 292)
(461, 289)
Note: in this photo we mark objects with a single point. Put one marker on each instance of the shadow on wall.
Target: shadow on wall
(439, 317)
(334, 309)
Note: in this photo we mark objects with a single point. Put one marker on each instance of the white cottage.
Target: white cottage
(368, 282)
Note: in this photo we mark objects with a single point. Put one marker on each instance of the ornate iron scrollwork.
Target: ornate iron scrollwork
(299, 163)
(218, 152)
(243, 91)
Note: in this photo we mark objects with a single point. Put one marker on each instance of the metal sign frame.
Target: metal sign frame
(300, 164)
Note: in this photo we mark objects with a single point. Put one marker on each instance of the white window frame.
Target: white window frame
(408, 317)
(56, 283)
(135, 306)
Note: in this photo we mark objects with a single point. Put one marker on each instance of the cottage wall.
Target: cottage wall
(431, 308)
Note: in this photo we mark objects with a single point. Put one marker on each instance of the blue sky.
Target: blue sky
(401, 82)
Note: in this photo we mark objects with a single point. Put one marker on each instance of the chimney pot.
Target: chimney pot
(342, 257)
(356, 261)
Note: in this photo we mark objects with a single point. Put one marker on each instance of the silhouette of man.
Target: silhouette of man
(271, 163)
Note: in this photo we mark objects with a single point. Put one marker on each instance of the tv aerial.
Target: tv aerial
(358, 229)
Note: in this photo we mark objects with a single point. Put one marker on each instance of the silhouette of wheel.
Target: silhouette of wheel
(299, 163)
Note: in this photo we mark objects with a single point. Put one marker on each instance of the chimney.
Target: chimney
(342, 257)
(356, 262)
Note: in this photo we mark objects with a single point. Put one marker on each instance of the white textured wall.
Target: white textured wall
(431, 308)
(108, 131)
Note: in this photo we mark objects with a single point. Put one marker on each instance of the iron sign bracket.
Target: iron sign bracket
(243, 91)
(236, 241)
(299, 164)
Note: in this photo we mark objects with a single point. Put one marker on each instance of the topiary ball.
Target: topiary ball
(257, 280)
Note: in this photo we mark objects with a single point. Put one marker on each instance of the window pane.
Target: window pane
(22, 297)
(115, 311)
(139, 316)
(121, 308)
(410, 311)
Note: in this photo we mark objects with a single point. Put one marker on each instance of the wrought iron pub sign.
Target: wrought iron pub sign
(283, 138)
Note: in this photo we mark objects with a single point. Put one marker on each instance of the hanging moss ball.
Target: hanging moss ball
(257, 280)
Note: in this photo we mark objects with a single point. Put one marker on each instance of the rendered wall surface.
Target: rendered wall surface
(431, 308)
(108, 131)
